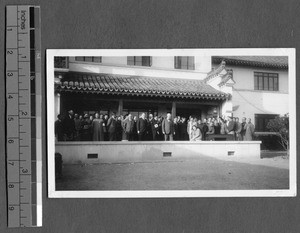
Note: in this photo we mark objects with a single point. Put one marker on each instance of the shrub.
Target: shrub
(280, 125)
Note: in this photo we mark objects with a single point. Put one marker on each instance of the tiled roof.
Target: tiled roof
(227, 77)
(138, 86)
(216, 71)
(277, 62)
(225, 74)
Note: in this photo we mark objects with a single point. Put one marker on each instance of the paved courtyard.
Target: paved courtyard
(205, 173)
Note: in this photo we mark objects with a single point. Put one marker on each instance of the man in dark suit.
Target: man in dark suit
(156, 128)
(105, 120)
(176, 129)
(128, 127)
(204, 128)
(149, 132)
(231, 127)
(182, 129)
(59, 131)
(243, 131)
(153, 127)
(135, 135)
(112, 127)
(69, 126)
(141, 127)
(168, 128)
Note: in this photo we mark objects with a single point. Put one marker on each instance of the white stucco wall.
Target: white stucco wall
(161, 67)
(244, 77)
(247, 102)
(226, 108)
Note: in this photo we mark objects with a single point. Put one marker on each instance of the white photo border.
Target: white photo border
(290, 52)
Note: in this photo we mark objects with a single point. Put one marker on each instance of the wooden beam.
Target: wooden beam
(149, 100)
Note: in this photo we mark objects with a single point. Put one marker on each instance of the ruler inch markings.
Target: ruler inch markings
(21, 47)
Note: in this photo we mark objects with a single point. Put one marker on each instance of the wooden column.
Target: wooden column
(219, 110)
(173, 109)
(62, 100)
(120, 108)
(58, 104)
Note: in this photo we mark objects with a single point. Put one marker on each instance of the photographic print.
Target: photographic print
(171, 123)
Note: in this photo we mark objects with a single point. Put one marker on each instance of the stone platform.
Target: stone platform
(151, 151)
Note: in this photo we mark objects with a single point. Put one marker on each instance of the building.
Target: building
(261, 86)
(202, 86)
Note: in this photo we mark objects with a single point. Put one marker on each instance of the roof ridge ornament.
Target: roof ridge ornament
(215, 71)
(230, 72)
(227, 79)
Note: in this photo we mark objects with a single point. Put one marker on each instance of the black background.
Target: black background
(118, 24)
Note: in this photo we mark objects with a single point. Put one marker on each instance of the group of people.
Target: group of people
(97, 127)
(204, 130)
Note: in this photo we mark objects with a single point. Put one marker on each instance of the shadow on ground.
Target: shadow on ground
(273, 154)
(204, 173)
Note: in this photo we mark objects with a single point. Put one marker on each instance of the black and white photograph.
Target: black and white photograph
(150, 116)
(171, 123)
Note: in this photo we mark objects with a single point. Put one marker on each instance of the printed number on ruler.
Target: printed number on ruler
(23, 87)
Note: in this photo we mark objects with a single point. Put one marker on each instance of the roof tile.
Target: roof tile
(141, 85)
(277, 62)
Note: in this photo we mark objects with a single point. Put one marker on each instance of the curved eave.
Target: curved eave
(251, 63)
(152, 93)
(215, 72)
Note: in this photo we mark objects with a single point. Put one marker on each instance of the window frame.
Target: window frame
(262, 81)
(139, 61)
(92, 59)
(61, 62)
(189, 64)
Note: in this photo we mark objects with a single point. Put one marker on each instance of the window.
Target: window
(265, 81)
(61, 62)
(262, 120)
(139, 61)
(89, 59)
(185, 63)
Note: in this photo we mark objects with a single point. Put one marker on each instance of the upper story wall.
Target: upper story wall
(244, 78)
(162, 66)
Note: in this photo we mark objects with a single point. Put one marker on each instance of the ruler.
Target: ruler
(23, 116)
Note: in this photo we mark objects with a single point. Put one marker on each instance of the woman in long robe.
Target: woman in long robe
(249, 131)
(97, 128)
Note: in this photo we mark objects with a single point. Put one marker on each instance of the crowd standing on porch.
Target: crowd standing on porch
(98, 127)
